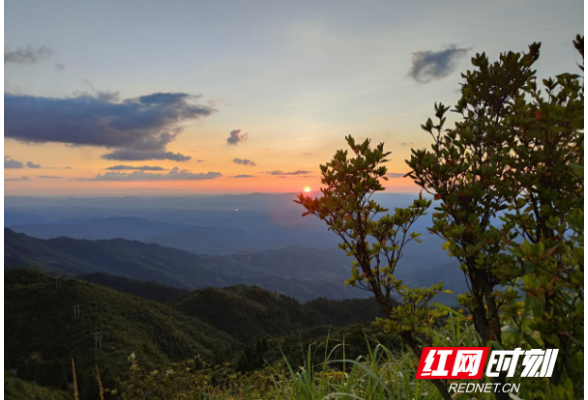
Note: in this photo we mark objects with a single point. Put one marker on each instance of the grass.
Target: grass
(381, 374)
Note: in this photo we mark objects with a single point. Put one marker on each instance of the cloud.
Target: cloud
(26, 56)
(49, 177)
(406, 143)
(174, 175)
(137, 128)
(396, 174)
(430, 65)
(133, 168)
(10, 163)
(244, 161)
(244, 176)
(199, 161)
(141, 155)
(280, 173)
(22, 178)
(59, 67)
(236, 136)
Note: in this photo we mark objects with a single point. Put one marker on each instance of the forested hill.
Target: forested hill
(248, 312)
(146, 289)
(40, 320)
(44, 331)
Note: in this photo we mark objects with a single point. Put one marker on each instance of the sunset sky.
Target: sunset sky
(188, 97)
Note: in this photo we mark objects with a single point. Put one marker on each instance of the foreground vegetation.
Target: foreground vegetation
(508, 185)
(15, 388)
(326, 373)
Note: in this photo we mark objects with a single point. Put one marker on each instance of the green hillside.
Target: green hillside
(146, 289)
(249, 313)
(39, 319)
(17, 389)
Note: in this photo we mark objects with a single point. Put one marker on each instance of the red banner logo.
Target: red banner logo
(452, 363)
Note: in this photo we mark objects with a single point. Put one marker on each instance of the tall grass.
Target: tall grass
(381, 374)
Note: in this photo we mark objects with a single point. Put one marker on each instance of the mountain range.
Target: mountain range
(302, 273)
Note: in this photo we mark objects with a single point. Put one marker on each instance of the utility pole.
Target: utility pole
(98, 340)
(58, 282)
(76, 309)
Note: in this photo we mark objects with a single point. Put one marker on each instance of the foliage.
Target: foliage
(374, 238)
(367, 378)
(18, 389)
(548, 215)
(327, 370)
(348, 342)
(47, 373)
(512, 157)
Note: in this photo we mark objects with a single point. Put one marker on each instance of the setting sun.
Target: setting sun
(307, 189)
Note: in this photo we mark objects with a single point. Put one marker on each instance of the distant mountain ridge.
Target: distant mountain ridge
(182, 269)
(132, 228)
(211, 240)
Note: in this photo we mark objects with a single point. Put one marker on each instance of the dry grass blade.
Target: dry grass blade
(75, 381)
(99, 383)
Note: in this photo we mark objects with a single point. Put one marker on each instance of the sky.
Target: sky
(202, 97)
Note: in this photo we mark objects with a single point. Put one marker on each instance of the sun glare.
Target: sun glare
(307, 189)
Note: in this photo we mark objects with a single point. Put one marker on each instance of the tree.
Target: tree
(547, 215)
(512, 157)
(375, 239)
(509, 179)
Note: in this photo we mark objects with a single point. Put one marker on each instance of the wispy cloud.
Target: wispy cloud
(26, 56)
(174, 175)
(243, 161)
(236, 136)
(396, 174)
(142, 155)
(49, 177)
(430, 65)
(244, 176)
(281, 173)
(32, 165)
(134, 168)
(22, 178)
